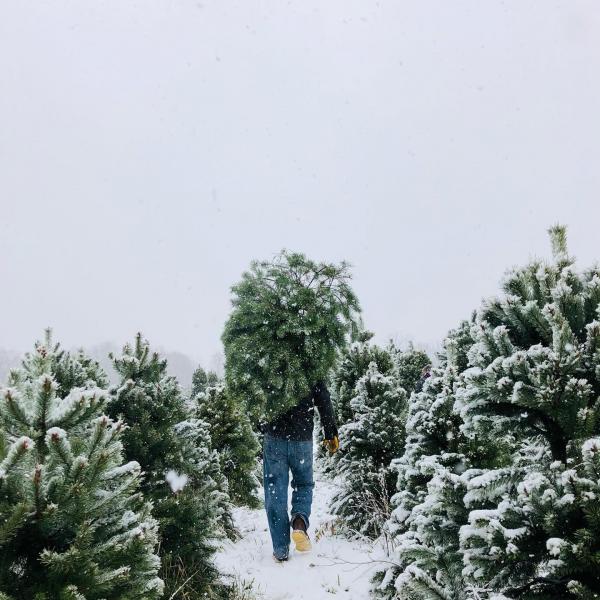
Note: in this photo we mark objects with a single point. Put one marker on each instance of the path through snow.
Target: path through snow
(336, 568)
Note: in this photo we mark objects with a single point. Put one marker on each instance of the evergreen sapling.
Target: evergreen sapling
(536, 368)
(183, 476)
(73, 523)
(367, 445)
(234, 440)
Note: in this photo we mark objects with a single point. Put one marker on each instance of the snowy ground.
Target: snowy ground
(336, 567)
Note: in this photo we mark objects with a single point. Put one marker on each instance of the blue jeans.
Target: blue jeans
(279, 458)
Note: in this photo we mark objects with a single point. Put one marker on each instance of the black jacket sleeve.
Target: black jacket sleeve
(322, 401)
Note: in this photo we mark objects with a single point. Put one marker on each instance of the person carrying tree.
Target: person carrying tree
(288, 446)
(291, 318)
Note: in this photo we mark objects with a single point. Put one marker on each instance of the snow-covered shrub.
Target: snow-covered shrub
(70, 369)
(164, 436)
(369, 442)
(535, 365)
(367, 445)
(431, 481)
(353, 365)
(202, 380)
(408, 366)
(73, 523)
(234, 441)
(501, 473)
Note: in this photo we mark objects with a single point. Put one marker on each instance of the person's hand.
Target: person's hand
(332, 445)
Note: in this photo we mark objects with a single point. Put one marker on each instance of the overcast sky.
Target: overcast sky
(150, 149)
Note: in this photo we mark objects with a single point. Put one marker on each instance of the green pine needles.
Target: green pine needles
(182, 473)
(535, 367)
(372, 386)
(73, 523)
(234, 441)
(499, 481)
(290, 318)
(355, 361)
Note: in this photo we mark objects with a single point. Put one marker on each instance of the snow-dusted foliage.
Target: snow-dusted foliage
(427, 508)
(200, 463)
(371, 439)
(367, 445)
(290, 318)
(73, 523)
(353, 365)
(432, 428)
(409, 367)
(536, 365)
(202, 380)
(70, 370)
(234, 441)
(164, 436)
(499, 482)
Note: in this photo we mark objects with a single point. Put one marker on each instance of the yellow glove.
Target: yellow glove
(332, 445)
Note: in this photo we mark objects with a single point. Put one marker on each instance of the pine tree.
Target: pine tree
(431, 453)
(73, 523)
(367, 445)
(536, 368)
(409, 365)
(373, 433)
(353, 365)
(433, 475)
(290, 318)
(506, 443)
(232, 437)
(202, 380)
(69, 370)
(183, 476)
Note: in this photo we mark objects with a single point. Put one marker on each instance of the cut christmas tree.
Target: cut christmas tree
(290, 318)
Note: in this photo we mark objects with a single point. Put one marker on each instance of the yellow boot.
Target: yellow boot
(299, 535)
(301, 540)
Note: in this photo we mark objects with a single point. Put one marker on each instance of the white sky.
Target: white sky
(149, 150)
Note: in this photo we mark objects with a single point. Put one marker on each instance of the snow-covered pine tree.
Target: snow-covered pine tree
(409, 365)
(367, 445)
(536, 367)
(201, 380)
(73, 523)
(198, 452)
(291, 317)
(79, 370)
(432, 455)
(182, 473)
(70, 370)
(354, 363)
(433, 474)
(232, 437)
